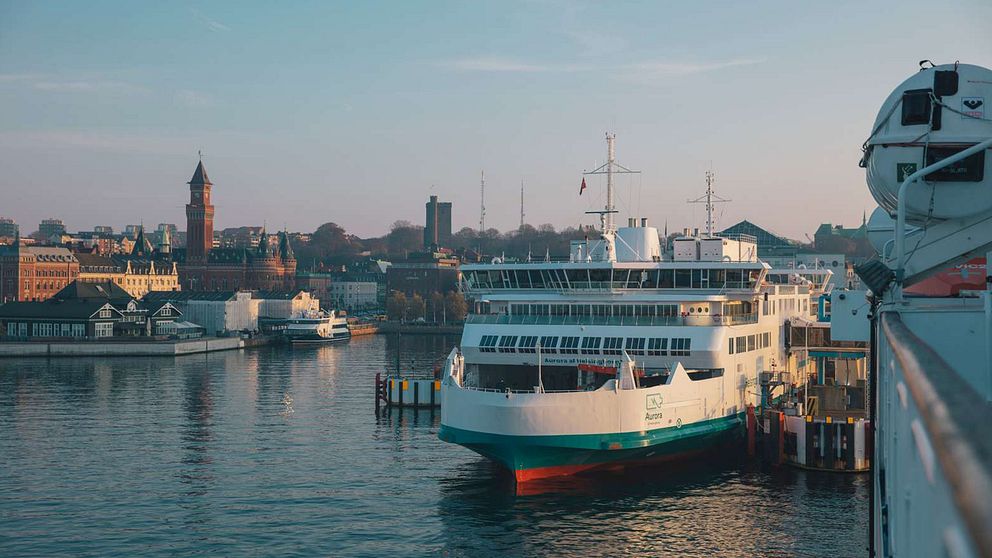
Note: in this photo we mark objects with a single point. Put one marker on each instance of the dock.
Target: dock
(121, 348)
(419, 391)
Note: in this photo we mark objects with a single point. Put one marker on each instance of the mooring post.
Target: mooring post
(378, 391)
(752, 428)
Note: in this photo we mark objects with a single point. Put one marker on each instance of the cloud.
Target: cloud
(190, 98)
(57, 84)
(84, 86)
(644, 69)
(211, 24)
(493, 64)
(19, 78)
(94, 140)
(666, 68)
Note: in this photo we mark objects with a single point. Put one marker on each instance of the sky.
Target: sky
(356, 112)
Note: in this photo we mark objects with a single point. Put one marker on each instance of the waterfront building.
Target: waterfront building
(850, 241)
(87, 310)
(9, 230)
(283, 305)
(142, 270)
(769, 244)
(270, 265)
(137, 276)
(240, 237)
(349, 294)
(51, 227)
(35, 273)
(423, 274)
(316, 282)
(437, 227)
(219, 312)
(78, 319)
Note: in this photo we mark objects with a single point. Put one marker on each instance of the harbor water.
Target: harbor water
(278, 451)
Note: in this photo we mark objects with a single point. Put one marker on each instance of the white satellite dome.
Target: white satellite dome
(935, 113)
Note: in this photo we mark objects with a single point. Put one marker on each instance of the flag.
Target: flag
(583, 187)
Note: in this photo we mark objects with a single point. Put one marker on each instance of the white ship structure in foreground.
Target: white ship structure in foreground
(929, 168)
(622, 354)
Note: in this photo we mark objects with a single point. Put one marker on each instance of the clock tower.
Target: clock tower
(199, 218)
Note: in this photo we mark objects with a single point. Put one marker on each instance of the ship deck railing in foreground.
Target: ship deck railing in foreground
(934, 450)
(690, 320)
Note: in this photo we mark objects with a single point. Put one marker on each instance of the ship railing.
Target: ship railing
(521, 391)
(688, 320)
(933, 451)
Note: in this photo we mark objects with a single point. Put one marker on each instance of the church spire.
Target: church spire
(200, 177)
(285, 249)
(142, 246)
(165, 245)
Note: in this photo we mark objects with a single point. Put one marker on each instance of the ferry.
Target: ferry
(317, 327)
(623, 353)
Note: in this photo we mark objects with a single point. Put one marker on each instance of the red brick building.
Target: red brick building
(269, 266)
(35, 272)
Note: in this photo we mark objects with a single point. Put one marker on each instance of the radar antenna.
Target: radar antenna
(609, 168)
(709, 198)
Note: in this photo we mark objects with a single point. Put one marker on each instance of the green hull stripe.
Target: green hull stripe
(529, 452)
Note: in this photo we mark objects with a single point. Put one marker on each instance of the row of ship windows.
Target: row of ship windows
(611, 278)
(746, 343)
(729, 308)
(653, 346)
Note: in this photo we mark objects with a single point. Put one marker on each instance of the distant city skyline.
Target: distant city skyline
(357, 113)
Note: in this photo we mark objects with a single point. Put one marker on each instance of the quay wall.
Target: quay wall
(392, 327)
(110, 348)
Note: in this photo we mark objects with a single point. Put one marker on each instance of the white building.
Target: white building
(285, 304)
(354, 295)
(220, 313)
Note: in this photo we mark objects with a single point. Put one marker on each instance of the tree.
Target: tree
(455, 307)
(436, 305)
(396, 306)
(415, 307)
(404, 237)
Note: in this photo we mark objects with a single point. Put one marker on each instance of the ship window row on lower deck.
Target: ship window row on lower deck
(747, 343)
(727, 308)
(553, 344)
(585, 278)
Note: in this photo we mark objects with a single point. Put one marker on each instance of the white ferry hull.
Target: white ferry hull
(539, 435)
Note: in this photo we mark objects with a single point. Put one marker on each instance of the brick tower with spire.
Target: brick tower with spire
(199, 218)
(270, 266)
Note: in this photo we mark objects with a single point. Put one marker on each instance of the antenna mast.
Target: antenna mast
(521, 204)
(709, 199)
(482, 215)
(609, 168)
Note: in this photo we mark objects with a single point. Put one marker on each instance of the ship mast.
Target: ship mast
(521, 204)
(482, 198)
(609, 168)
(709, 198)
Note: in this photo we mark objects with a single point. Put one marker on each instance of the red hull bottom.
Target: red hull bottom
(525, 475)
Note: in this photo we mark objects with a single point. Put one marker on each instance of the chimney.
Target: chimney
(644, 222)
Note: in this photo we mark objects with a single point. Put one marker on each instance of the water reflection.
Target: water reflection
(200, 454)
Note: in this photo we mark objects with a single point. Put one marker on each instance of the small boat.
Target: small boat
(317, 327)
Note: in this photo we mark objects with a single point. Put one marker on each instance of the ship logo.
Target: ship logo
(652, 401)
(972, 107)
(903, 170)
